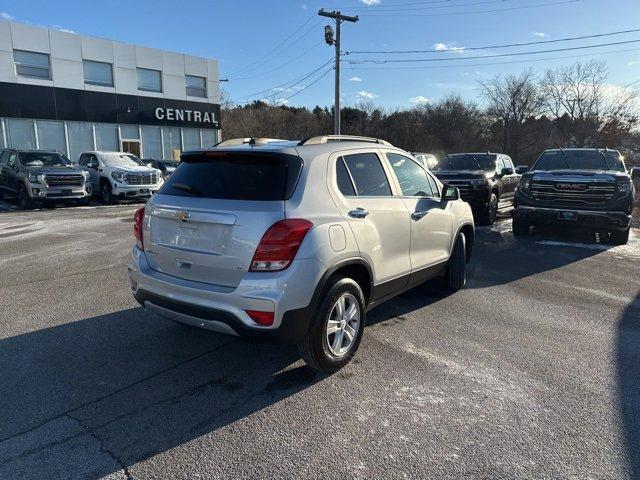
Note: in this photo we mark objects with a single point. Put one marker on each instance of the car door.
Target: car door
(93, 167)
(431, 225)
(378, 218)
(3, 158)
(513, 177)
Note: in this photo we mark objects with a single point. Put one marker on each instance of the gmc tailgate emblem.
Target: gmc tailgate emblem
(182, 215)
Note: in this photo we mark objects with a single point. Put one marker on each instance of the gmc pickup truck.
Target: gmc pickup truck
(576, 188)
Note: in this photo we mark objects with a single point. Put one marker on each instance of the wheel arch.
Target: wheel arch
(356, 268)
(469, 232)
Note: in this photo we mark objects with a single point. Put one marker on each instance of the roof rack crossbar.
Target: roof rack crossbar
(342, 138)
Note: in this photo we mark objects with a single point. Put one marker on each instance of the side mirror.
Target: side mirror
(520, 169)
(506, 171)
(149, 164)
(450, 193)
(635, 173)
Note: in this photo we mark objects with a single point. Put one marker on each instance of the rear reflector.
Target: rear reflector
(261, 318)
(138, 219)
(279, 245)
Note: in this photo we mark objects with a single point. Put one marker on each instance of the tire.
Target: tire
(619, 238)
(488, 216)
(84, 202)
(318, 346)
(24, 200)
(520, 228)
(455, 277)
(106, 195)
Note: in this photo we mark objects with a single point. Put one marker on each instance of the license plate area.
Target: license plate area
(567, 216)
(66, 192)
(144, 190)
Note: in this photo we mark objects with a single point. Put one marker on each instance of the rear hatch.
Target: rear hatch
(208, 218)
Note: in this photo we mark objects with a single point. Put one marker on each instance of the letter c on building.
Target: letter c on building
(159, 113)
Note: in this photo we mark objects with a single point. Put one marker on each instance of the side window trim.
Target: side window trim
(385, 171)
(353, 183)
(434, 182)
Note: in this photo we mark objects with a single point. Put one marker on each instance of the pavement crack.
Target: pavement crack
(103, 446)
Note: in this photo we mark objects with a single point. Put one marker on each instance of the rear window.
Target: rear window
(235, 176)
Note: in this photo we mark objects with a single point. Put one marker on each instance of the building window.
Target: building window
(196, 86)
(31, 64)
(98, 73)
(149, 80)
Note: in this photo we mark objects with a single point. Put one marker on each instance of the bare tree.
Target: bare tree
(513, 101)
(586, 110)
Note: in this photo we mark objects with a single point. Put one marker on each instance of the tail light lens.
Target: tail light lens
(138, 218)
(261, 318)
(279, 245)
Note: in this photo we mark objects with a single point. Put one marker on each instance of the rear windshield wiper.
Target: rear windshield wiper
(187, 188)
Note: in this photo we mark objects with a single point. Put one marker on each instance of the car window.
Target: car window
(509, 163)
(411, 176)
(84, 159)
(12, 160)
(345, 185)
(368, 175)
(3, 156)
(434, 185)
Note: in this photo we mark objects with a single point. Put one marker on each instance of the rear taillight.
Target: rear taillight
(279, 245)
(261, 318)
(138, 218)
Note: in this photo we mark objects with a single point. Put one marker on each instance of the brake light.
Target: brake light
(138, 218)
(279, 245)
(261, 318)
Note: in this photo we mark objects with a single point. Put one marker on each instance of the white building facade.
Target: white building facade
(72, 93)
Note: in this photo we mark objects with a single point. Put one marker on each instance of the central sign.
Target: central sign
(184, 115)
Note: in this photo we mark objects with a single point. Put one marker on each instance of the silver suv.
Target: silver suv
(296, 241)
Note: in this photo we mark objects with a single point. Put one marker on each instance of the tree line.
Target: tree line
(518, 114)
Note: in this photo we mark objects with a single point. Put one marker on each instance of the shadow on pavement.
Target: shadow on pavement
(628, 369)
(139, 384)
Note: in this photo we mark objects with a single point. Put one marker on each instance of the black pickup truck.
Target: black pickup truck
(578, 187)
(484, 180)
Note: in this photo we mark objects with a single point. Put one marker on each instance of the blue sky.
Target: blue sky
(238, 33)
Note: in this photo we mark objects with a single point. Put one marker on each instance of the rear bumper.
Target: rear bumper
(584, 218)
(222, 309)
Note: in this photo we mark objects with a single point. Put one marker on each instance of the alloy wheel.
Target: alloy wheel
(343, 325)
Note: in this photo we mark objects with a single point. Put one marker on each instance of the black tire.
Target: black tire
(314, 347)
(106, 195)
(520, 228)
(617, 237)
(455, 277)
(24, 200)
(488, 215)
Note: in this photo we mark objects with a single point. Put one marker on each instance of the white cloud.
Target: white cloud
(5, 16)
(365, 94)
(355, 78)
(280, 89)
(281, 101)
(447, 47)
(419, 99)
(61, 29)
(635, 61)
(370, 3)
(539, 34)
(303, 6)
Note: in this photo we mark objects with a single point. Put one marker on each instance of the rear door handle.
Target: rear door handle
(358, 213)
(418, 215)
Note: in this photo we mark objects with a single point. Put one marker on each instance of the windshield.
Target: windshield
(576, 160)
(615, 160)
(122, 160)
(44, 159)
(467, 161)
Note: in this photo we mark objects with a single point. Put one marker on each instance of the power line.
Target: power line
(273, 50)
(487, 64)
(513, 54)
(383, 8)
(288, 84)
(282, 65)
(468, 12)
(393, 5)
(491, 47)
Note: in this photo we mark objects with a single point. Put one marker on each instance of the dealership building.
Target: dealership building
(71, 93)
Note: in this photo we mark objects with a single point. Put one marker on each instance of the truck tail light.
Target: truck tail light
(138, 218)
(279, 245)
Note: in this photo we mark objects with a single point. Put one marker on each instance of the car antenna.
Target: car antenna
(252, 141)
(563, 153)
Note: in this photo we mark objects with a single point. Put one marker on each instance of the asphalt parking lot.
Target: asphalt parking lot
(530, 372)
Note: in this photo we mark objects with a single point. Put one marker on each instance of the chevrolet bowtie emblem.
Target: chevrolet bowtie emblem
(182, 215)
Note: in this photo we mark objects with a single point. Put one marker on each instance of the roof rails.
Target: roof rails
(342, 138)
(247, 140)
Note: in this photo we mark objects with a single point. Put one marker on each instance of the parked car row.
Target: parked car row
(39, 177)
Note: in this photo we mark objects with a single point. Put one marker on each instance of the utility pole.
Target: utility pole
(328, 37)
